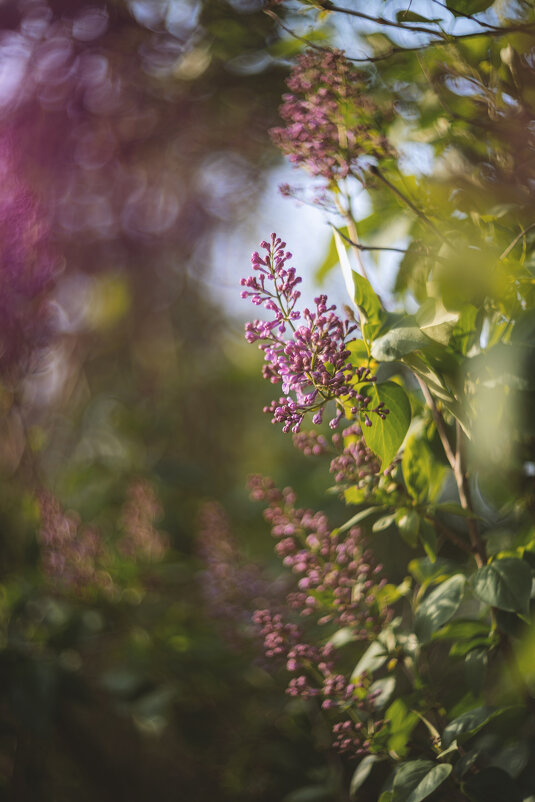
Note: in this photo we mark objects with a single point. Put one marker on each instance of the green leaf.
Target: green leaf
(439, 606)
(416, 465)
(360, 516)
(369, 306)
(428, 539)
(373, 658)
(475, 667)
(430, 782)
(384, 522)
(416, 780)
(460, 7)
(330, 261)
(436, 321)
(362, 772)
(491, 785)
(469, 723)
(401, 722)
(505, 583)
(384, 437)
(462, 630)
(402, 339)
(408, 522)
(411, 16)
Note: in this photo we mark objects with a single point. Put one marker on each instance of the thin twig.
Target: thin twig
(444, 37)
(293, 34)
(362, 247)
(375, 171)
(515, 241)
(456, 461)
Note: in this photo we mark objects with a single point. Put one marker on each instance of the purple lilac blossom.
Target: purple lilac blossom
(332, 123)
(338, 582)
(312, 362)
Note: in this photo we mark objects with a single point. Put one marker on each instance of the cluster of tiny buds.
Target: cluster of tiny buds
(337, 577)
(314, 675)
(312, 364)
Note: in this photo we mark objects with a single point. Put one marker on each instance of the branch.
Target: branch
(362, 247)
(456, 461)
(515, 241)
(375, 171)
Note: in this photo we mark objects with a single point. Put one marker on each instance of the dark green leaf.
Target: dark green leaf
(417, 780)
(475, 667)
(469, 723)
(439, 606)
(505, 583)
(384, 437)
(491, 785)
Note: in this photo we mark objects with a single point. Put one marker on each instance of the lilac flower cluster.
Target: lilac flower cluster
(73, 556)
(332, 123)
(353, 462)
(141, 539)
(314, 675)
(231, 586)
(313, 363)
(338, 576)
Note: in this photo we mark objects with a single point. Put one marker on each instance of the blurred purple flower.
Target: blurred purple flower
(73, 555)
(141, 540)
(332, 125)
(28, 263)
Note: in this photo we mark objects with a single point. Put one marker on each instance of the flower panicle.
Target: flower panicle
(305, 351)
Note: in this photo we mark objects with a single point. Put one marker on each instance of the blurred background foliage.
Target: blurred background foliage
(132, 133)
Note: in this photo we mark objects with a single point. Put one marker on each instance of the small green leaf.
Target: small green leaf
(384, 522)
(361, 774)
(461, 7)
(411, 16)
(408, 522)
(439, 606)
(428, 539)
(505, 583)
(401, 722)
(384, 437)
